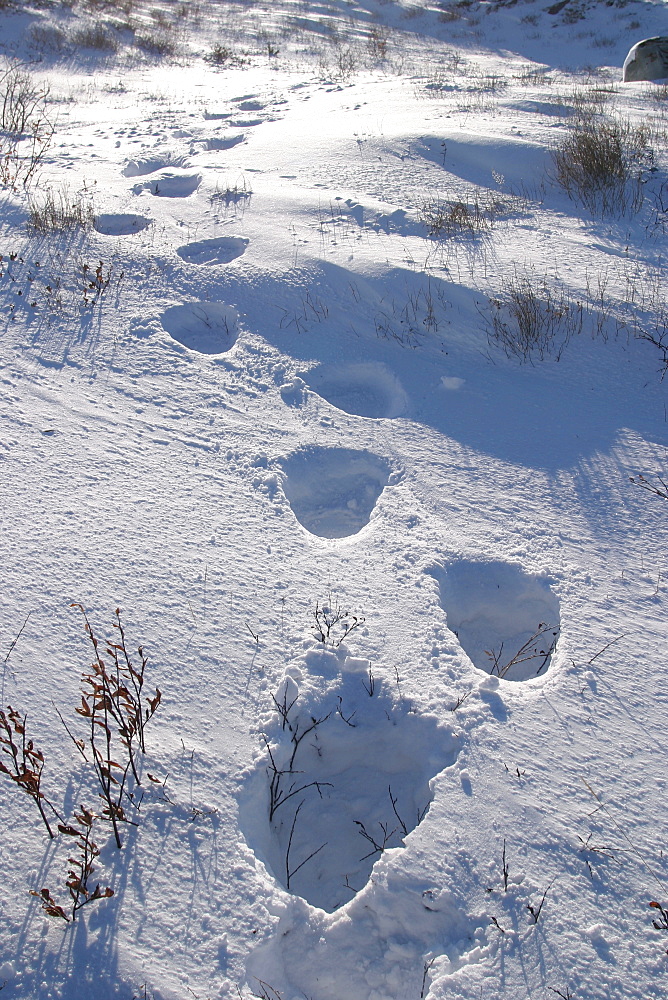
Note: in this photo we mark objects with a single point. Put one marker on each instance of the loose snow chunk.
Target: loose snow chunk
(205, 327)
(368, 390)
(507, 621)
(333, 491)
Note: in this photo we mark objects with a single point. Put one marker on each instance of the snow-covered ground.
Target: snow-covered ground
(406, 611)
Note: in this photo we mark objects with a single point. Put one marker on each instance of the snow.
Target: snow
(256, 404)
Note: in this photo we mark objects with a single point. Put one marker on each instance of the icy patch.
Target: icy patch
(345, 778)
(367, 390)
(507, 621)
(170, 185)
(121, 225)
(205, 327)
(333, 491)
(139, 167)
(217, 251)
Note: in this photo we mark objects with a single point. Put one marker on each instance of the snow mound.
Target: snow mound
(124, 224)
(170, 184)
(345, 778)
(333, 491)
(367, 390)
(507, 621)
(205, 327)
(217, 251)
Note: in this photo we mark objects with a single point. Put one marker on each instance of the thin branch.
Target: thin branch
(621, 832)
(607, 646)
(20, 633)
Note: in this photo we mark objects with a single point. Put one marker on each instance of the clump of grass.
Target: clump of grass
(57, 211)
(447, 218)
(599, 164)
(156, 43)
(531, 320)
(95, 36)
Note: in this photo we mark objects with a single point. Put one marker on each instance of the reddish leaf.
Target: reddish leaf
(70, 831)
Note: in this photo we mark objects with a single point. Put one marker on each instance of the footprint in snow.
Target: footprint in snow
(249, 122)
(251, 106)
(224, 142)
(333, 491)
(204, 327)
(217, 251)
(507, 621)
(347, 779)
(367, 389)
(121, 224)
(148, 165)
(170, 184)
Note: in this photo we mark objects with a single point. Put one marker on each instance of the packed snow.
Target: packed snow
(319, 366)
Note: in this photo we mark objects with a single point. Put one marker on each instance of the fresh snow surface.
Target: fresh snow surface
(405, 609)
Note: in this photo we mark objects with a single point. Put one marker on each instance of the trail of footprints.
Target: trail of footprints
(349, 764)
(335, 802)
(169, 175)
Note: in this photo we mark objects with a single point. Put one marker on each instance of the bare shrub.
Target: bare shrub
(529, 321)
(25, 129)
(599, 165)
(345, 62)
(21, 100)
(58, 211)
(47, 38)
(377, 41)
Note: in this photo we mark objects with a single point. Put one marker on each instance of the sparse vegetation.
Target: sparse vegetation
(158, 43)
(26, 132)
(599, 164)
(224, 55)
(95, 36)
(446, 218)
(112, 702)
(545, 636)
(333, 623)
(531, 320)
(25, 762)
(80, 872)
(56, 211)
